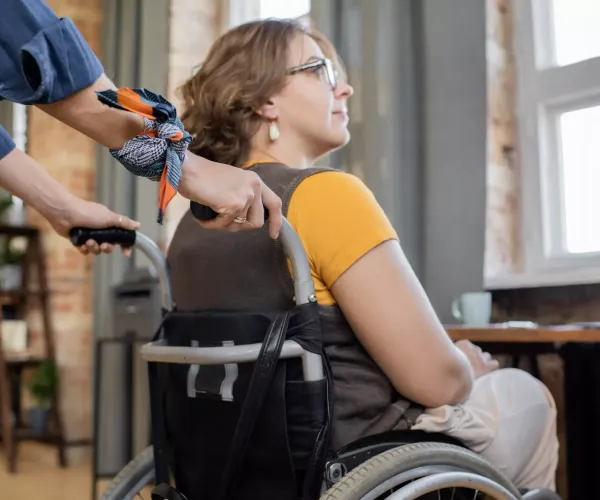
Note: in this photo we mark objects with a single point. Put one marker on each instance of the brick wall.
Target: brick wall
(195, 24)
(502, 226)
(70, 274)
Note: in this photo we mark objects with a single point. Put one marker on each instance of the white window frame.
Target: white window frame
(544, 91)
(243, 11)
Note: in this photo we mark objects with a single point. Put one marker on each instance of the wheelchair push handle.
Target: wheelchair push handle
(112, 235)
(129, 238)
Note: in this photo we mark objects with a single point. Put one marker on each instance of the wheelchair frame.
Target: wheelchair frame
(436, 465)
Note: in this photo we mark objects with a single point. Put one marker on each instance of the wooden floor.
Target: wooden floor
(40, 478)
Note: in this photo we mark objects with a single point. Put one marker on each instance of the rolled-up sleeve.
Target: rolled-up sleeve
(6, 143)
(43, 59)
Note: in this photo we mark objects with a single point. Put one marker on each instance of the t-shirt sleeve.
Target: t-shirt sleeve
(338, 220)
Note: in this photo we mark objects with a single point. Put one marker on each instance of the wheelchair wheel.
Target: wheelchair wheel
(415, 470)
(131, 481)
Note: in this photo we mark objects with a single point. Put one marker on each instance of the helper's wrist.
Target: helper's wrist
(191, 170)
(57, 207)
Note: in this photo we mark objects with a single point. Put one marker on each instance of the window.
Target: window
(557, 50)
(580, 157)
(576, 34)
(19, 126)
(242, 11)
(284, 9)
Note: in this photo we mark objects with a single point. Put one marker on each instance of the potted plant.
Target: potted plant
(6, 203)
(11, 259)
(42, 387)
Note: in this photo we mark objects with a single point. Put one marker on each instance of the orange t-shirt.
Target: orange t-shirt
(338, 220)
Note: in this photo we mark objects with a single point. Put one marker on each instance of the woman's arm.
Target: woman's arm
(390, 314)
(355, 253)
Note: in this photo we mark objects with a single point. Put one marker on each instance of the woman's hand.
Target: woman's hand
(481, 362)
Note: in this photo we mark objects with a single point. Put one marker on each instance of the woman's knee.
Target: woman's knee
(525, 445)
(514, 389)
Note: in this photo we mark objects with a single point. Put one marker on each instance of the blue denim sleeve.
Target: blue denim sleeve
(43, 59)
(6, 143)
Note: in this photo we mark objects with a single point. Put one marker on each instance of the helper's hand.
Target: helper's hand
(81, 213)
(232, 193)
(481, 362)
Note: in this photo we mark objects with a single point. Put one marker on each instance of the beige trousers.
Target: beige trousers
(509, 419)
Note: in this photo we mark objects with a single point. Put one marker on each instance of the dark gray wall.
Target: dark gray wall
(376, 40)
(424, 154)
(454, 152)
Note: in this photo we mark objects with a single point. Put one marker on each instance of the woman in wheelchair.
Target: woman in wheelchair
(271, 96)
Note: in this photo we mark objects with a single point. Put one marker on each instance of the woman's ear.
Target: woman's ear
(268, 111)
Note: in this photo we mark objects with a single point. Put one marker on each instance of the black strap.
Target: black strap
(260, 383)
(159, 429)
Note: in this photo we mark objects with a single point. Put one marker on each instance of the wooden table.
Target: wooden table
(542, 335)
(581, 369)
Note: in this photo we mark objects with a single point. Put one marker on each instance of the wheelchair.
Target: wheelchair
(249, 418)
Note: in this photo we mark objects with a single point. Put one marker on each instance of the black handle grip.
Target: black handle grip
(204, 213)
(112, 235)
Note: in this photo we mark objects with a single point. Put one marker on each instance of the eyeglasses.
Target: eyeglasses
(326, 64)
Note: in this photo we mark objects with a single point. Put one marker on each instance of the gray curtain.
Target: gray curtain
(376, 41)
(135, 54)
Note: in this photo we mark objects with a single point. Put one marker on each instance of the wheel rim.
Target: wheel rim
(405, 477)
(444, 480)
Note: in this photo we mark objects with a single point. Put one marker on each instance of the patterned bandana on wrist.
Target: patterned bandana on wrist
(159, 151)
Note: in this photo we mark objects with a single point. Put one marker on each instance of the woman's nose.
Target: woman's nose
(344, 90)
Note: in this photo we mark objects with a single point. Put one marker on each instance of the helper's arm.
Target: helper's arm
(84, 112)
(22, 176)
(228, 190)
(46, 62)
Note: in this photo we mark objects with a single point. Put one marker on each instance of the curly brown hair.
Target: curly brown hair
(242, 70)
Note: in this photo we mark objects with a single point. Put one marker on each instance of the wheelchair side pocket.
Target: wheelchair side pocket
(306, 404)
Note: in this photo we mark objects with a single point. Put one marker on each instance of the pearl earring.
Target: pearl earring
(273, 132)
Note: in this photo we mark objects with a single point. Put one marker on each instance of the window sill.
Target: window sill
(557, 277)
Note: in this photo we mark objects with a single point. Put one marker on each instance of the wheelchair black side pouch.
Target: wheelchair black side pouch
(255, 431)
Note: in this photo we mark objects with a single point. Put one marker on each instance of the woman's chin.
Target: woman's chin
(342, 138)
(333, 142)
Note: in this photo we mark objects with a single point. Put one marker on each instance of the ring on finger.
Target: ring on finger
(240, 220)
